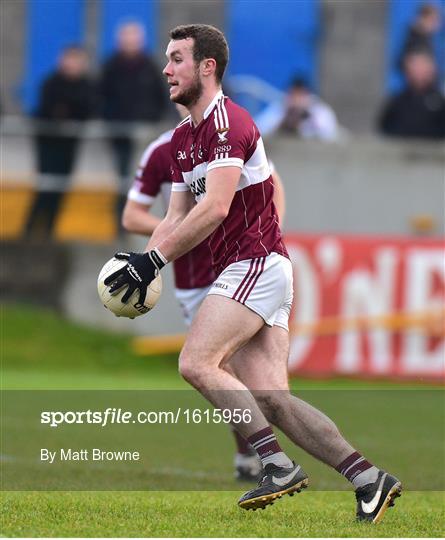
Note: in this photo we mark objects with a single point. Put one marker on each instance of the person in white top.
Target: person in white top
(301, 113)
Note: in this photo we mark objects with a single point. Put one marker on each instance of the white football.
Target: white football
(113, 302)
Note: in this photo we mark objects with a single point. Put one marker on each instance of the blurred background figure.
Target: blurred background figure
(132, 90)
(301, 113)
(67, 94)
(421, 33)
(419, 109)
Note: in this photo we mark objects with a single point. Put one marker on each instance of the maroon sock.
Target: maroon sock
(353, 465)
(265, 442)
(242, 446)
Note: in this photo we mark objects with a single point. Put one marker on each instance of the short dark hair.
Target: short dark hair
(209, 43)
(425, 10)
(299, 83)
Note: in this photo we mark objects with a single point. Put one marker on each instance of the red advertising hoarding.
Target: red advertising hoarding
(370, 306)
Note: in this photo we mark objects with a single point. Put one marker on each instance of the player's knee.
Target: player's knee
(186, 369)
(189, 370)
(198, 374)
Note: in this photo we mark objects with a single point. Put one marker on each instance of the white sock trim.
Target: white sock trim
(279, 458)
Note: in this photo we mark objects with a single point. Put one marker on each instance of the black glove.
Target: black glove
(140, 271)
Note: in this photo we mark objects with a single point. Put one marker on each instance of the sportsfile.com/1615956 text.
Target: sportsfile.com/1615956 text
(114, 415)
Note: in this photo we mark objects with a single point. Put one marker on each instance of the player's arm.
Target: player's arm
(180, 205)
(152, 173)
(142, 268)
(278, 196)
(138, 219)
(204, 218)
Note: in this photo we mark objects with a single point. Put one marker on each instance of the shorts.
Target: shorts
(264, 285)
(190, 301)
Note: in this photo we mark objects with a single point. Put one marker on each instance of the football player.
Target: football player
(193, 272)
(222, 191)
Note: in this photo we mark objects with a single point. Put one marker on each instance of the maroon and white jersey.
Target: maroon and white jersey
(153, 177)
(227, 136)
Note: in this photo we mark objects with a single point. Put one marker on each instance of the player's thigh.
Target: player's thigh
(220, 328)
(261, 364)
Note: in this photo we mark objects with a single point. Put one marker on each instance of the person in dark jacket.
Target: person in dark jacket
(132, 90)
(419, 110)
(68, 94)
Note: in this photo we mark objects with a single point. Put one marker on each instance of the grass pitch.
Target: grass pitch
(60, 355)
(212, 514)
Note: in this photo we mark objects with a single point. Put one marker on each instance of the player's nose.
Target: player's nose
(167, 70)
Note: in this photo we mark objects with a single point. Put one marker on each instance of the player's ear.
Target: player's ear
(208, 67)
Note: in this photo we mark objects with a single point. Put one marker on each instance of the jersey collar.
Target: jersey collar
(212, 105)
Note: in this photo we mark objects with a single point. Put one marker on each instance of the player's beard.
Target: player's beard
(192, 94)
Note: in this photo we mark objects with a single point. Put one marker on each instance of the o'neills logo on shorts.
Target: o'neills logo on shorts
(220, 285)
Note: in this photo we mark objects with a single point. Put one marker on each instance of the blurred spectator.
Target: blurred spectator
(419, 110)
(132, 90)
(301, 113)
(421, 32)
(68, 94)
